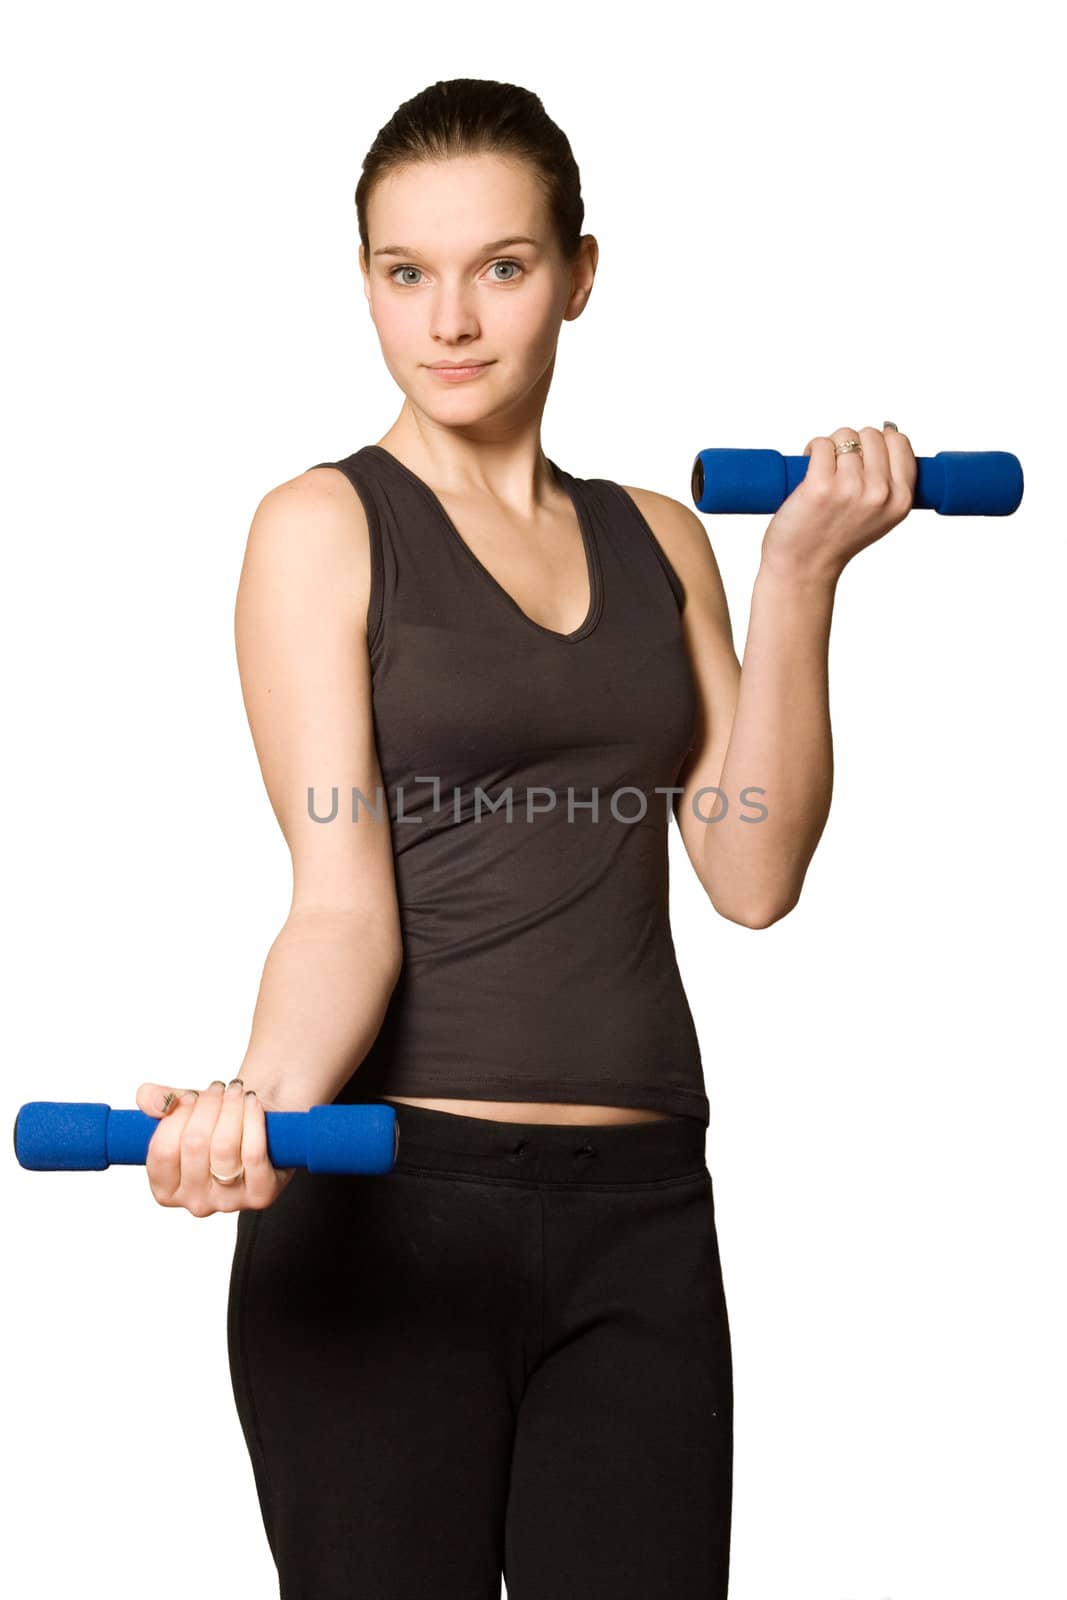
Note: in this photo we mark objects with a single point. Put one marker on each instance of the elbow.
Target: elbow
(754, 915)
(766, 919)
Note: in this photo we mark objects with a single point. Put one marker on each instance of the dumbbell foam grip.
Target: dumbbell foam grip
(954, 483)
(71, 1136)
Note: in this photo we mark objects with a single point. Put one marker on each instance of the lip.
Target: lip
(465, 372)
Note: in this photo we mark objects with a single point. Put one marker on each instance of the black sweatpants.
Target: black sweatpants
(508, 1356)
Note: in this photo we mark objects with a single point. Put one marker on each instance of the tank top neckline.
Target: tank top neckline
(573, 490)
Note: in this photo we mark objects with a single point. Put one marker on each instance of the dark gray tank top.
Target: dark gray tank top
(539, 963)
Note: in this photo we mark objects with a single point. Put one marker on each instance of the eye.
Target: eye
(503, 261)
(401, 269)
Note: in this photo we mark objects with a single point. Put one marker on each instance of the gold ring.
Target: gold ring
(218, 1179)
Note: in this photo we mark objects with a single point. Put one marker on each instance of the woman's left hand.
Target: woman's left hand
(843, 503)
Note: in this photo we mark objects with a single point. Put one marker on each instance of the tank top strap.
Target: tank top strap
(386, 524)
(637, 564)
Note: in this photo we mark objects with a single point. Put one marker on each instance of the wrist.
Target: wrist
(272, 1094)
(809, 570)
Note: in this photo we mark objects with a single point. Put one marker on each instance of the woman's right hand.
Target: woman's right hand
(221, 1127)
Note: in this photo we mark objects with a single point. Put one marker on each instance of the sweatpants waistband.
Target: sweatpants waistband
(630, 1152)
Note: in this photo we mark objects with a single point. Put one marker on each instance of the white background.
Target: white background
(807, 219)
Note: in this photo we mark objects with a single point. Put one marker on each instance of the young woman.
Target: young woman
(510, 1355)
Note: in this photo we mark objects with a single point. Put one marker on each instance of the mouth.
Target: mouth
(454, 373)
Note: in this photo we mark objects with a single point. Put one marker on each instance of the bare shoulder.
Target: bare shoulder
(684, 540)
(315, 510)
(309, 535)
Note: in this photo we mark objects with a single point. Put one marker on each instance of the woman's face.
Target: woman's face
(443, 287)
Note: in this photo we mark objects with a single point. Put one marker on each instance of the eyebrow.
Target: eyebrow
(494, 244)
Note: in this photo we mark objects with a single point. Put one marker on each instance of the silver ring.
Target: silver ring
(235, 1179)
(846, 445)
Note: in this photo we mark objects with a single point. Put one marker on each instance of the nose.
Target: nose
(453, 319)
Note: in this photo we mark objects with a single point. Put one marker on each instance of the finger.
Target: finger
(903, 465)
(821, 451)
(225, 1153)
(848, 463)
(163, 1158)
(259, 1173)
(196, 1143)
(157, 1098)
(876, 469)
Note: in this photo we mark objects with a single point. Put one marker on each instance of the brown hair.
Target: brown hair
(469, 116)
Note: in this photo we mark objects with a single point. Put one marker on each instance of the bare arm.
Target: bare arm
(781, 745)
(763, 727)
(300, 629)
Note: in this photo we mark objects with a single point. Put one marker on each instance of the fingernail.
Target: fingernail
(250, 1094)
(190, 1097)
(234, 1087)
(891, 425)
(165, 1102)
(216, 1083)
